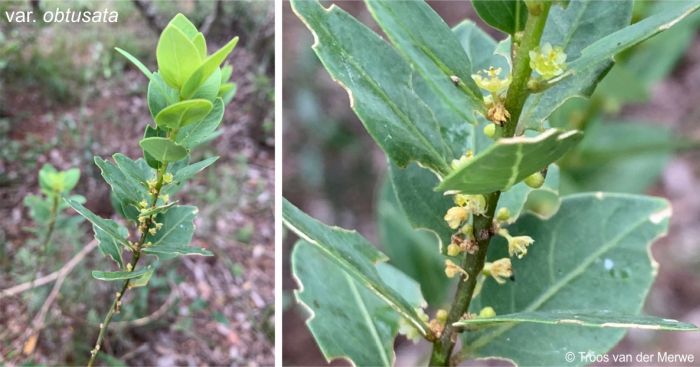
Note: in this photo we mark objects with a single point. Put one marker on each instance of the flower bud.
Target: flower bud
(490, 130)
(487, 312)
(535, 180)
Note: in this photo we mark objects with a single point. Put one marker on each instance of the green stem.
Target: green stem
(134, 261)
(47, 236)
(472, 264)
(518, 92)
(483, 225)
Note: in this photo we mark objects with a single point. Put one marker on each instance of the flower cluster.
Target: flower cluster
(548, 61)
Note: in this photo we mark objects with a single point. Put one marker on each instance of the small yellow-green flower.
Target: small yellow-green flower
(516, 245)
(548, 61)
(168, 178)
(500, 270)
(455, 216)
(452, 269)
(490, 80)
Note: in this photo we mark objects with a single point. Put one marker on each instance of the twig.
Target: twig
(134, 261)
(172, 297)
(65, 270)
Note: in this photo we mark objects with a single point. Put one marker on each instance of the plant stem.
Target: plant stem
(518, 92)
(47, 237)
(472, 264)
(134, 261)
(483, 224)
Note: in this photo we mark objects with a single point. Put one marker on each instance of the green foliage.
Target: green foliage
(508, 16)
(509, 161)
(141, 188)
(578, 259)
(483, 201)
(352, 253)
(338, 301)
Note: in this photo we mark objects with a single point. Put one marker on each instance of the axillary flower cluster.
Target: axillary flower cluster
(547, 61)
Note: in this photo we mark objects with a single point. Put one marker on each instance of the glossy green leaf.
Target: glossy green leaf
(227, 91)
(226, 72)
(183, 113)
(39, 208)
(123, 186)
(70, 178)
(195, 134)
(163, 149)
(181, 175)
(177, 56)
(107, 226)
(112, 276)
(424, 207)
(152, 132)
(655, 58)
(587, 318)
(185, 25)
(48, 178)
(143, 68)
(411, 251)
(209, 90)
(433, 50)
(110, 246)
(479, 47)
(201, 44)
(137, 170)
(614, 43)
(177, 230)
(594, 251)
(160, 95)
(382, 97)
(143, 280)
(337, 301)
(353, 255)
(509, 161)
(206, 69)
(581, 24)
(508, 16)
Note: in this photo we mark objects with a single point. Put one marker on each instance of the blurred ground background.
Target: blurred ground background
(333, 171)
(66, 95)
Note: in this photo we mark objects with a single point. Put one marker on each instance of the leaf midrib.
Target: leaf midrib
(368, 318)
